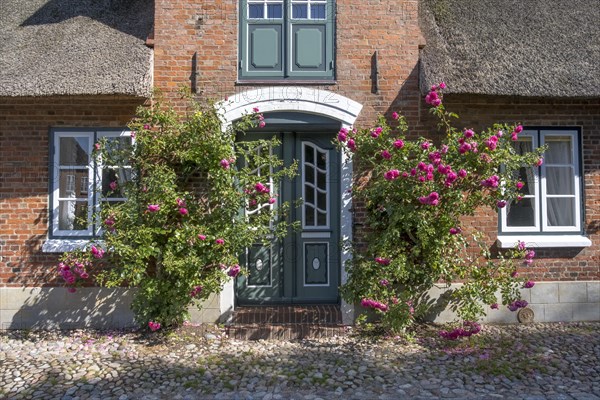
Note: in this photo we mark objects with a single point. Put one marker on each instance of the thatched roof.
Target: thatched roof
(512, 47)
(75, 47)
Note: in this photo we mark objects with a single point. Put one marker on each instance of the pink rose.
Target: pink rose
(234, 271)
(201, 236)
(395, 116)
(154, 326)
(220, 241)
(183, 211)
(225, 164)
(153, 207)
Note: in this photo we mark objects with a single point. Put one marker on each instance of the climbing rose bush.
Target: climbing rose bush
(178, 236)
(417, 193)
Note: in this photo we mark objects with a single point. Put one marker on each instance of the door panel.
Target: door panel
(303, 267)
(317, 243)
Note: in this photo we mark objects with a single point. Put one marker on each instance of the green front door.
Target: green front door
(304, 267)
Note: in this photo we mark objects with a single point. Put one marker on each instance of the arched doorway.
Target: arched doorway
(308, 266)
(304, 267)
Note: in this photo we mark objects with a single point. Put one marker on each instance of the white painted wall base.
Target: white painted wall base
(55, 308)
(550, 302)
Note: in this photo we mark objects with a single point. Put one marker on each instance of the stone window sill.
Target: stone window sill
(62, 245)
(506, 242)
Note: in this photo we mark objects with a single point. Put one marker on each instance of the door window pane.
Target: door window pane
(322, 200)
(309, 215)
(321, 160)
(321, 218)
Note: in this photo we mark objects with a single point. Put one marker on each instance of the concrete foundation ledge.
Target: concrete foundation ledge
(98, 308)
(101, 308)
(556, 301)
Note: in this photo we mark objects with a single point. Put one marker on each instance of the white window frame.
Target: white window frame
(308, 4)
(541, 226)
(94, 178)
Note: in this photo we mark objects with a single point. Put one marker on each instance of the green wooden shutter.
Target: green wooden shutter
(310, 45)
(292, 47)
(262, 46)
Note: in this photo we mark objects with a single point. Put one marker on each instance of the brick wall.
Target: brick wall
(482, 111)
(210, 29)
(24, 151)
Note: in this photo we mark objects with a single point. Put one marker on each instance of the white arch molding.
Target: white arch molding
(310, 101)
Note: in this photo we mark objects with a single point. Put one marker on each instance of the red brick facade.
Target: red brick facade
(24, 174)
(480, 111)
(210, 29)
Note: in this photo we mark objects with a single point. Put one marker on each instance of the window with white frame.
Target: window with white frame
(72, 206)
(551, 197)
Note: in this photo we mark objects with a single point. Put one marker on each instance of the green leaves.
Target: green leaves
(183, 224)
(417, 196)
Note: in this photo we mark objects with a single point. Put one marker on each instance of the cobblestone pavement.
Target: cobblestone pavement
(538, 361)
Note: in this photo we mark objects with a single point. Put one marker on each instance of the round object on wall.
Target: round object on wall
(525, 315)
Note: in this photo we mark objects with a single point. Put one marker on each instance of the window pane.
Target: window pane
(321, 219)
(321, 181)
(527, 176)
(300, 11)
(70, 183)
(74, 151)
(561, 212)
(113, 180)
(309, 219)
(521, 213)
(559, 150)
(274, 10)
(523, 145)
(310, 194)
(309, 174)
(255, 11)
(309, 154)
(321, 160)
(559, 180)
(72, 215)
(118, 149)
(322, 200)
(317, 11)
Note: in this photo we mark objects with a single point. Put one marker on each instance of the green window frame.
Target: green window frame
(287, 40)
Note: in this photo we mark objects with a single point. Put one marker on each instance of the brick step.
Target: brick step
(286, 322)
(283, 331)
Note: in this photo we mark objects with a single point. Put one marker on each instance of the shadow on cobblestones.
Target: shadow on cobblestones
(545, 361)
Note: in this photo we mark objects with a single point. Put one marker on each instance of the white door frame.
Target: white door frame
(310, 101)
